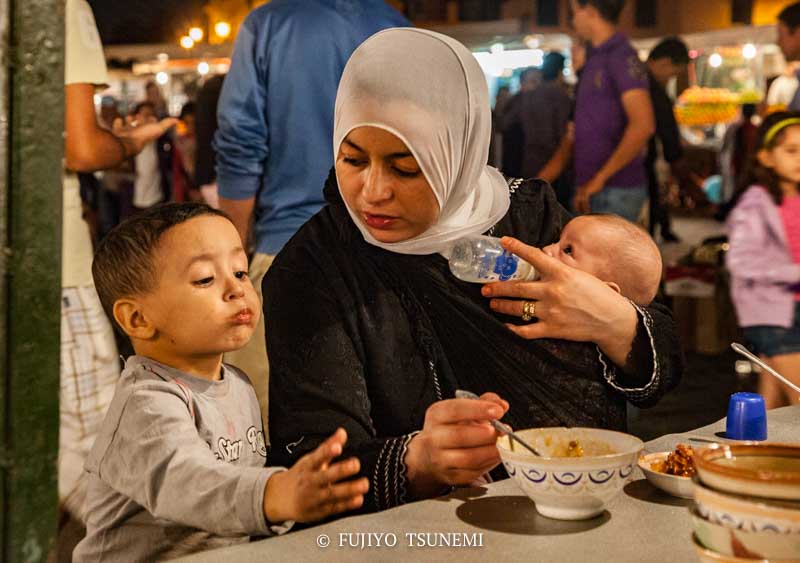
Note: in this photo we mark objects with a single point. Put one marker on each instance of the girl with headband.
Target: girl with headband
(764, 255)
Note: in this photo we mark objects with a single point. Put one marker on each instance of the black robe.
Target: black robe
(367, 339)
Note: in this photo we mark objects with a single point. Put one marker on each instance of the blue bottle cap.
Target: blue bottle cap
(747, 417)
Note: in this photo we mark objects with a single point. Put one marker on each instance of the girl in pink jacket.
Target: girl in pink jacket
(764, 255)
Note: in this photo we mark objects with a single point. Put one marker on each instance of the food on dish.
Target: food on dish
(680, 462)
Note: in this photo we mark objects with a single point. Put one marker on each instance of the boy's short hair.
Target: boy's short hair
(671, 48)
(790, 16)
(141, 105)
(552, 66)
(123, 264)
(609, 9)
(638, 266)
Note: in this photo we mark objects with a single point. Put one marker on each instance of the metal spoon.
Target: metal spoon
(499, 426)
(756, 360)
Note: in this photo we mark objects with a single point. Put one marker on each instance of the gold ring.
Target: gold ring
(528, 310)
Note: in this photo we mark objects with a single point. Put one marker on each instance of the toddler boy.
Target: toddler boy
(178, 465)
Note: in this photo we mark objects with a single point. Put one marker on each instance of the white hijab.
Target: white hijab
(429, 91)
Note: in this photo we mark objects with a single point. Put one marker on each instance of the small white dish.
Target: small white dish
(674, 485)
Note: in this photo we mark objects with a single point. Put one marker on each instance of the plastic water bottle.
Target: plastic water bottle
(482, 259)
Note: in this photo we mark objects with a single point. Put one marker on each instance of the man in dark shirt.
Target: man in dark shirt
(513, 152)
(543, 114)
(205, 156)
(789, 41)
(667, 60)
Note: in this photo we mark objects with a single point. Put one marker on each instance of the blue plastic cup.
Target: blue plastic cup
(747, 417)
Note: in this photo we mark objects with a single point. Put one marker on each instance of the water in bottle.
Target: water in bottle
(482, 259)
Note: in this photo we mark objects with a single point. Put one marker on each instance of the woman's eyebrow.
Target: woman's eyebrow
(352, 145)
(394, 155)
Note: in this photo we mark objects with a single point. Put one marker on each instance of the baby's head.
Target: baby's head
(174, 278)
(614, 250)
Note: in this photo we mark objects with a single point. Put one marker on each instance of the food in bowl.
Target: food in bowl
(556, 447)
(571, 488)
(653, 466)
(764, 470)
(679, 463)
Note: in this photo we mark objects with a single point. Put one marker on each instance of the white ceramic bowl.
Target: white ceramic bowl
(571, 488)
(758, 469)
(751, 514)
(740, 543)
(710, 556)
(672, 484)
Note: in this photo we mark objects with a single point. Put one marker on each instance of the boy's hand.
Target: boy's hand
(308, 491)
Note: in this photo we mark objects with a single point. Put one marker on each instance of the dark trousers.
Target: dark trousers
(659, 213)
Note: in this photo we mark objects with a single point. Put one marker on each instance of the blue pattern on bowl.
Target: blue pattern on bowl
(569, 478)
(601, 477)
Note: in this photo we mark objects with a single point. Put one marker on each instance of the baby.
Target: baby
(178, 465)
(614, 250)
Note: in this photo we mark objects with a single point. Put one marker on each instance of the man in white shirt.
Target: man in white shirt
(89, 363)
(148, 185)
(783, 88)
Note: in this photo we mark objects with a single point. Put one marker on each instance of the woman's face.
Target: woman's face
(384, 186)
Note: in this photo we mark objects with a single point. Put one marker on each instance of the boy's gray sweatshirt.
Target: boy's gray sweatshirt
(177, 467)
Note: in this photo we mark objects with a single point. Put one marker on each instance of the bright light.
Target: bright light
(496, 64)
(196, 34)
(715, 60)
(187, 42)
(162, 57)
(162, 78)
(222, 29)
(203, 68)
(749, 51)
(531, 41)
(497, 48)
(97, 99)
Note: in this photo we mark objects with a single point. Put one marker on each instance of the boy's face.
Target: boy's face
(145, 114)
(204, 303)
(583, 246)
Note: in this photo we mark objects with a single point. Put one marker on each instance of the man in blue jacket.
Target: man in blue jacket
(274, 142)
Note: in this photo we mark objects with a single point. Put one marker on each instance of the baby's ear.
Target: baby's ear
(130, 316)
(614, 286)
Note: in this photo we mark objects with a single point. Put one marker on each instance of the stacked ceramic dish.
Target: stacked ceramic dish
(747, 502)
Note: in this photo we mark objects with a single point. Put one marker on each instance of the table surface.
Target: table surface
(640, 524)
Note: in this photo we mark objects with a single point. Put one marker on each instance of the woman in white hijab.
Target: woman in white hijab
(368, 330)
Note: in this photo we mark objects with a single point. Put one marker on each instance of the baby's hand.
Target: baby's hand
(308, 491)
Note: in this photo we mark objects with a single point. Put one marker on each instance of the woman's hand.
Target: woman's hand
(455, 446)
(569, 304)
